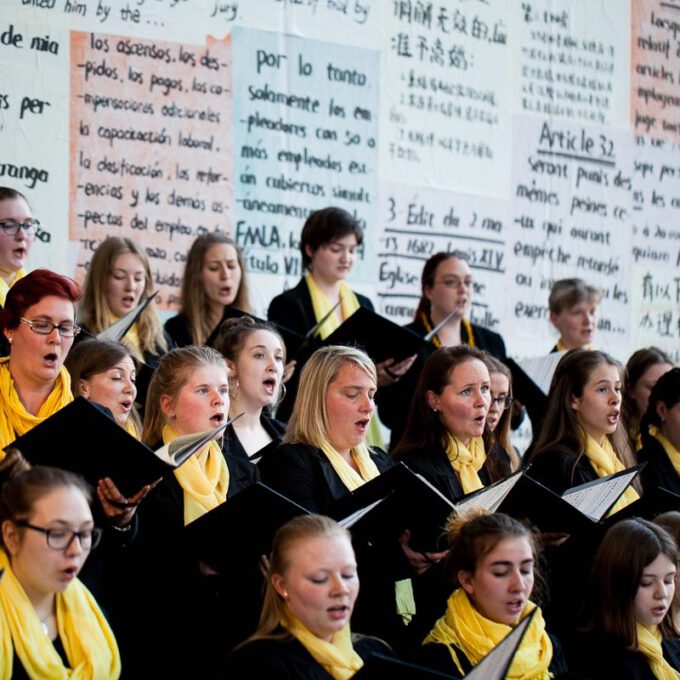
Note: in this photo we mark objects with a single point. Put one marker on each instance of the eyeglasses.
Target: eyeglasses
(61, 539)
(502, 403)
(455, 282)
(43, 327)
(11, 227)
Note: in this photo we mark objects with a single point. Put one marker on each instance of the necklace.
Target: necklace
(44, 626)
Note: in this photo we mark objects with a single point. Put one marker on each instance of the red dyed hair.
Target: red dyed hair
(32, 288)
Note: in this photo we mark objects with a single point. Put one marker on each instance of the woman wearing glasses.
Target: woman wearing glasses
(50, 625)
(443, 437)
(447, 287)
(500, 412)
(38, 327)
(17, 231)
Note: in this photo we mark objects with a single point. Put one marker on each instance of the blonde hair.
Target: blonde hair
(174, 370)
(95, 310)
(286, 540)
(308, 423)
(195, 304)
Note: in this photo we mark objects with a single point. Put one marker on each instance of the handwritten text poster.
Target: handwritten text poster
(150, 147)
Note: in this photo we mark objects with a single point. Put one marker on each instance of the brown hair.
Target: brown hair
(93, 356)
(233, 334)
(425, 429)
(627, 548)
(638, 364)
(286, 540)
(325, 226)
(561, 427)
(474, 533)
(22, 486)
(174, 369)
(428, 276)
(9, 194)
(95, 311)
(195, 305)
(566, 293)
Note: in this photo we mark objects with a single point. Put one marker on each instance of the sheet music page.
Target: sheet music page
(491, 497)
(351, 520)
(595, 499)
(541, 369)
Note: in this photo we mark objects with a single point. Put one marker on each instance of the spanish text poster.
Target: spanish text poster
(305, 137)
(570, 218)
(572, 59)
(445, 116)
(655, 78)
(184, 20)
(416, 223)
(34, 65)
(348, 22)
(151, 150)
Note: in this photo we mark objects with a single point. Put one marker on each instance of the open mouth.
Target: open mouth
(51, 359)
(659, 612)
(217, 419)
(613, 418)
(270, 385)
(362, 425)
(339, 612)
(128, 301)
(515, 606)
(125, 405)
(20, 253)
(69, 573)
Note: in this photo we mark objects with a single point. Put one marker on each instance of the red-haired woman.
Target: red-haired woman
(38, 327)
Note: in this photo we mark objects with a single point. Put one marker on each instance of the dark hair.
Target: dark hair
(325, 226)
(566, 293)
(638, 364)
(666, 391)
(474, 533)
(561, 427)
(670, 521)
(22, 486)
(195, 304)
(233, 334)
(627, 548)
(93, 356)
(425, 429)
(9, 194)
(428, 276)
(29, 291)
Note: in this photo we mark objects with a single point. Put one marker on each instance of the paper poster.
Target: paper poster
(445, 115)
(570, 218)
(572, 59)
(305, 138)
(150, 148)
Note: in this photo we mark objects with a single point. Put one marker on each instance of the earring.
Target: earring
(234, 389)
(285, 594)
(10, 340)
(435, 410)
(282, 394)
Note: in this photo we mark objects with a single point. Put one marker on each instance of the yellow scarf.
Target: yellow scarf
(337, 657)
(131, 428)
(204, 478)
(603, 458)
(672, 453)
(438, 343)
(466, 461)
(15, 420)
(349, 476)
(90, 647)
(4, 286)
(649, 643)
(131, 338)
(561, 348)
(463, 626)
(349, 304)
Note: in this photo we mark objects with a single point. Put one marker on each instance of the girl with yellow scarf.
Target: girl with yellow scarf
(38, 328)
(491, 562)
(329, 243)
(50, 625)
(660, 429)
(443, 437)
(188, 393)
(583, 438)
(311, 588)
(628, 631)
